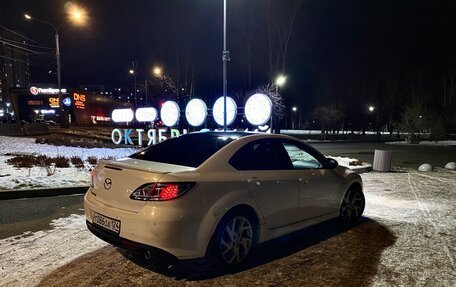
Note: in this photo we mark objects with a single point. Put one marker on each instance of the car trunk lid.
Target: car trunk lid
(114, 181)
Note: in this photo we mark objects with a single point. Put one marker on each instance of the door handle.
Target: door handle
(255, 180)
(304, 179)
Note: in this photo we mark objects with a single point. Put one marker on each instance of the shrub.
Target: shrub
(43, 160)
(26, 161)
(61, 161)
(77, 161)
(92, 160)
(46, 163)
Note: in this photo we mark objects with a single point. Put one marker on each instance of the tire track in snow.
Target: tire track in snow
(427, 214)
(451, 182)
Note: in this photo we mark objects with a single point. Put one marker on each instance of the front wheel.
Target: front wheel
(233, 241)
(352, 206)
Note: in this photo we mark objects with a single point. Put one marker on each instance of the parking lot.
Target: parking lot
(405, 238)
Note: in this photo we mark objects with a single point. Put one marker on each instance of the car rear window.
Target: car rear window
(187, 150)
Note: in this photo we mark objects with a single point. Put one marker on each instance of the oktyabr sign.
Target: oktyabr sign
(154, 136)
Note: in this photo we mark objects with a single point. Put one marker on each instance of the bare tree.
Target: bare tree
(278, 105)
(412, 122)
(280, 30)
(330, 117)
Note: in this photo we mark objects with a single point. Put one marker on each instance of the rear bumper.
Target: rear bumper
(124, 243)
(166, 227)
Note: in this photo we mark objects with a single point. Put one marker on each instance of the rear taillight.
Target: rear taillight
(161, 191)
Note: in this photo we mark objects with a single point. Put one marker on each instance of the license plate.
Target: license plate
(106, 222)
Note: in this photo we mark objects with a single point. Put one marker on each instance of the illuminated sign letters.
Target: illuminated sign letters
(46, 91)
(125, 135)
(79, 101)
(54, 102)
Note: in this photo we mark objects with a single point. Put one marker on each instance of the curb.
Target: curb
(42, 192)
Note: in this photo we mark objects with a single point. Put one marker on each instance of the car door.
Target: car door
(318, 187)
(264, 167)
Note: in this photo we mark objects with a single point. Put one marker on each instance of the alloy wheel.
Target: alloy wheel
(352, 206)
(236, 240)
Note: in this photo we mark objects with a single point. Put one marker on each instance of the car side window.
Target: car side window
(301, 159)
(262, 155)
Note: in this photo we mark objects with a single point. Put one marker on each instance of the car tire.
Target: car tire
(233, 241)
(352, 206)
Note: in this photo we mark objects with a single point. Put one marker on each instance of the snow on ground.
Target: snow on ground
(36, 177)
(420, 209)
(25, 259)
(24, 178)
(439, 143)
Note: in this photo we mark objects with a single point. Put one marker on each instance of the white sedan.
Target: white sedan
(217, 195)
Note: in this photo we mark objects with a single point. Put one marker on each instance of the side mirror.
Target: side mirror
(331, 163)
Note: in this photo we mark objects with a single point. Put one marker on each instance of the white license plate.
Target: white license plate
(106, 222)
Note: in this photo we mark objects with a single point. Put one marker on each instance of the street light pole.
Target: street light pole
(280, 81)
(59, 75)
(76, 15)
(133, 72)
(225, 59)
(293, 117)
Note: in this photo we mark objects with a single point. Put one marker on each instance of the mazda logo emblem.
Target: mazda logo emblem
(107, 183)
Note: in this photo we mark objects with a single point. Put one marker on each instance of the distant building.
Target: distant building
(14, 68)
(120, 93)
(40, 102)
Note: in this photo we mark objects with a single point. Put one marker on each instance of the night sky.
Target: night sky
(338, 51)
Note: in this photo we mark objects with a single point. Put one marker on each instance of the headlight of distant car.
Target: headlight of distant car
(161, 191)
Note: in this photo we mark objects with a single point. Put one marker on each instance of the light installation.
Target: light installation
(196, 112)
(258, 109)
(146, 114)
(170, 113)
(231, 111)
(122, 115)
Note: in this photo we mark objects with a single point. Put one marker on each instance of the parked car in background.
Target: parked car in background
(218, 195)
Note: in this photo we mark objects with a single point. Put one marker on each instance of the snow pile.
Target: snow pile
(36, 177)
(351, 163)
(25, 259)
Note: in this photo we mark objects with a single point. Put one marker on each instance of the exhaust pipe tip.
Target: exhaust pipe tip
(147, 255)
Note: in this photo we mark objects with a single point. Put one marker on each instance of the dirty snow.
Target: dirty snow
(25, 259)
(345, 161)
(24, 178)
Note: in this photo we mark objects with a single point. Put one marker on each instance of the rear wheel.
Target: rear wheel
(352, 206)
(233, 240)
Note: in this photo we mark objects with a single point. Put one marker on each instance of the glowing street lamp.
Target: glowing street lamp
(371, 108)
(76, 15)
(131, 71)
(280, 80)
(157, 71)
